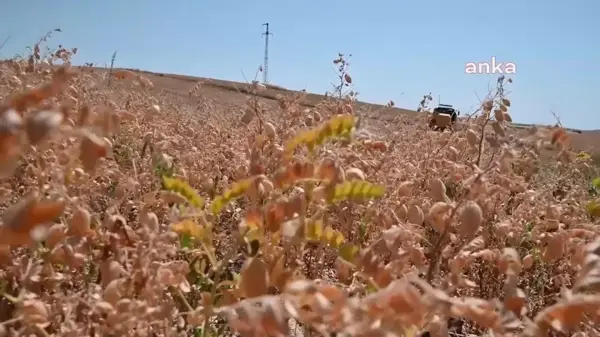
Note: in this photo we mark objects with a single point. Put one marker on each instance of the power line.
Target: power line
(266, 61)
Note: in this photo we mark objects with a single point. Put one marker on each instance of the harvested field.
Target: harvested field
(166, 205)
(581, 140)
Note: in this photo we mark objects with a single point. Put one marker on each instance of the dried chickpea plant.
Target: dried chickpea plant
(132, 210)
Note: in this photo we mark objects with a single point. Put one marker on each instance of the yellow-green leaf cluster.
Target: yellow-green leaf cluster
(348, 251)
(596, 183)
(234, 191)
(184, 189)
(357, 190)
(338, 126)
(593, 209)
(316, 231)
(189, 227)
(583, 156)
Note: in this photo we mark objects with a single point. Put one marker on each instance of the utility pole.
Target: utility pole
(266, 61)
(112, 64)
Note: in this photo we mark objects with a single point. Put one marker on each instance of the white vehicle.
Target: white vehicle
(443, 116)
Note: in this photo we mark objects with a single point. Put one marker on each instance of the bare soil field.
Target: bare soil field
(166, 205)
(227, 91)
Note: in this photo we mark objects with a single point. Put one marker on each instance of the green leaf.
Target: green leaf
(186, 241)
(348, 252)
(596, 183)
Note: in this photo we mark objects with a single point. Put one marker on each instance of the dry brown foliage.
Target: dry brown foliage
(132, 211)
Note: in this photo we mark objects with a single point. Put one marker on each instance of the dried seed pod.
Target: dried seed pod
(347, 78)
(402, 212)
(438, 190)
(80, 223)
(528, 261)
(438, 215)
(309, 120)
(470, 218)
(354, 173)
(247, 116)
(498, 129)
(452, 153)
(150, 222)
(415, 215)
(499, 115)
(405, 188)
(270, 130)
(317, 116)
(472, 137)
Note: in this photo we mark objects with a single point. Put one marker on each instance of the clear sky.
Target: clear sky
(401, 49)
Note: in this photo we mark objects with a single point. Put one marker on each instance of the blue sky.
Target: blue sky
(401, 49)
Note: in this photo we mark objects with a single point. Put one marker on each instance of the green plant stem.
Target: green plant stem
(214, 288)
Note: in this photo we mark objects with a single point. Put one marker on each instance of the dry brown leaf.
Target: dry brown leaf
(28, 220)
(92, 149)
(566, 315)
(39, 125)
(254, 278)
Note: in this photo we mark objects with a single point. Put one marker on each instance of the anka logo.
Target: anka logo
(492, 67)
